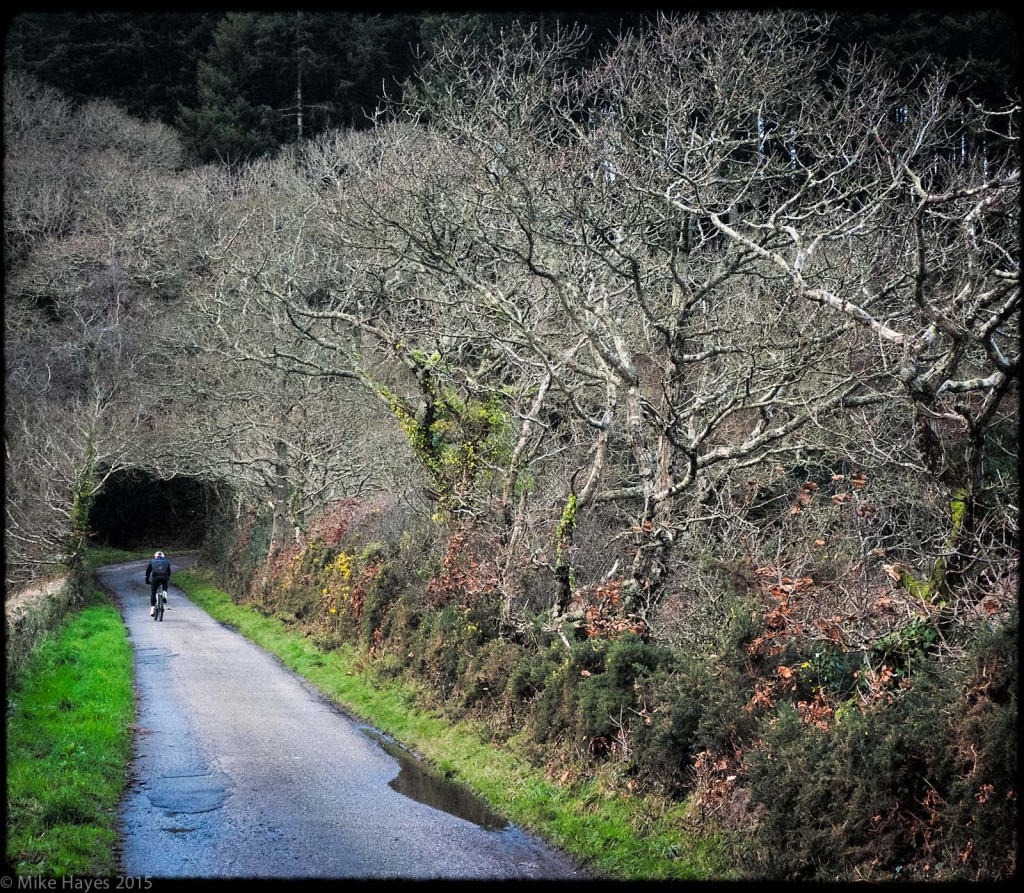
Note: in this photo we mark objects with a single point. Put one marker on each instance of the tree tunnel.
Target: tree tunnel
(136, 510)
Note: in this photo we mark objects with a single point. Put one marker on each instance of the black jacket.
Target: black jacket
(159, 574)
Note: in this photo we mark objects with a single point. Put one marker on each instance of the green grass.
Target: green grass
(97, 556)
(70, 715)
(611, 835)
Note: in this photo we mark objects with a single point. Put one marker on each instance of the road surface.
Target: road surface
(242, 769)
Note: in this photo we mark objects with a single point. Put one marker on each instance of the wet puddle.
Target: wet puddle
(418, 783)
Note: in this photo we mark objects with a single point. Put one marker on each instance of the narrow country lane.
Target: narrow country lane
(242, 769)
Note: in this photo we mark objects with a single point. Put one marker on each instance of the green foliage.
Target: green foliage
(457, 438)
(490, 670)
(382, 593)
(69, 726)
(247, 81)
(981, 813)
(905, 649)
(553, 713)
(917, 786)
(795, 778)
(592, 693)
(566, 523)
(697, 706)
(740, 627)
(607, 699)
(445, 645)
(144, 62)
(531, 675)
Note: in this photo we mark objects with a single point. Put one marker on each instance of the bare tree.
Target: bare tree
(859, 194)
(707, 251)
(80, 294)
(257, 403)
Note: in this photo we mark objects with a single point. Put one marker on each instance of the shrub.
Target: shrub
(829, 671)
(592, 695)
(981, 818)
(531, 676)
(699, 706)
(553, 709)
(794, 780)
(606, 695)
(916, 786)
(706, 699)
(487, 675)
(381, 595)
(444, 645)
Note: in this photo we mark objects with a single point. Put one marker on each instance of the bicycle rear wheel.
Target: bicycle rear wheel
(161, 595)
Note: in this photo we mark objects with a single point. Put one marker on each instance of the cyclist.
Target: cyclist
(157, 571)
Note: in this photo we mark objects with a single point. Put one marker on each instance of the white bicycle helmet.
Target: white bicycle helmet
(159, 555)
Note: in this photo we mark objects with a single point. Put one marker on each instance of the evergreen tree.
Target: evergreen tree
(239, 84)
(982, 42)
(143, 62)
(272, 78)
(233, 118)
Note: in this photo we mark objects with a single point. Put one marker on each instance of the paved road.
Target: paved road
(243, 770)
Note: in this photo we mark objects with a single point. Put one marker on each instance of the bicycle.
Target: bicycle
(161, 600)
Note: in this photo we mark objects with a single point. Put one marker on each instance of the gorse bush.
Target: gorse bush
(531, 676)
(488, 673)
(829, 671)
(606, 697)
(553, 717)
(921, 785)
(698, 707)
(441, 648)
(382, 592)
(980, 815)
(853, 794)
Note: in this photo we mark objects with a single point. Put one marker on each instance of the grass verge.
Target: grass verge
(612, 836)
(97, 556)
(70, 714)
